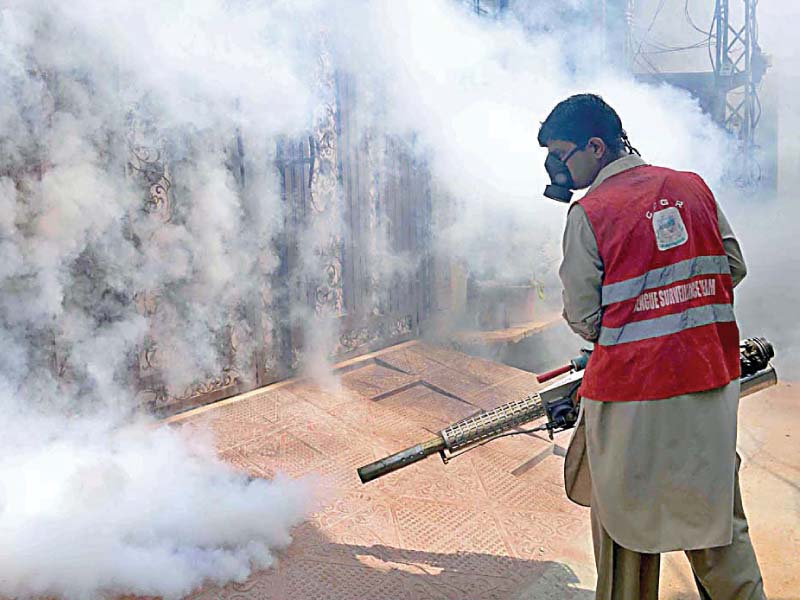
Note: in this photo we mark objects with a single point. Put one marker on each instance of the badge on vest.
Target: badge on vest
(669, 227)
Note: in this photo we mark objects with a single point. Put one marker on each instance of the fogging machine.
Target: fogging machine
(557, 403)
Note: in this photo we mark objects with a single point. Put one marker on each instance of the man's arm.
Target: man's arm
(581, 274)
(732, 249)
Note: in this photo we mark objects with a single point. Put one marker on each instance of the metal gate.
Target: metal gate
(369, 202)
(354, 249)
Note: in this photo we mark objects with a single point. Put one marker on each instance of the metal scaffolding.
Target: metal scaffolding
(729, 91)
(739, 66)
(488, 8)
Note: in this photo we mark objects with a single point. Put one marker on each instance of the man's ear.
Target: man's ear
(597, 147)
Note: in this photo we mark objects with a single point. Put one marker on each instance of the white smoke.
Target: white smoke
(762, 215)
(474, 91)
(123, 224)
(765, 218)
(134, 510)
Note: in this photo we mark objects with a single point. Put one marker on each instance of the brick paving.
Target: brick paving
(492, 524)
(470, 529)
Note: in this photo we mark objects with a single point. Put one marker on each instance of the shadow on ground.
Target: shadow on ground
(314, 568)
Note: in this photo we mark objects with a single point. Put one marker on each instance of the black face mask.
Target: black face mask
(560, 176)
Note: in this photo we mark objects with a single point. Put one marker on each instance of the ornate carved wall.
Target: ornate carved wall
(150, 167)
(352, 254)
(354, 249)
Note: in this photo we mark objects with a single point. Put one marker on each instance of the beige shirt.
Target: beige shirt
(659, 473)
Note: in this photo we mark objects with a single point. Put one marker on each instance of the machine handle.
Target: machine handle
(553, 374)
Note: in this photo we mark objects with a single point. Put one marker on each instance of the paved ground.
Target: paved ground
(493, 524)
(769, 443)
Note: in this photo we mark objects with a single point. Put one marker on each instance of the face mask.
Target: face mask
(560, 176)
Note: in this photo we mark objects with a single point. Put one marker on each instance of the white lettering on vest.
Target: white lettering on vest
(677, 294)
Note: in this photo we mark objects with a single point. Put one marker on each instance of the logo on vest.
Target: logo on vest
(668, 225)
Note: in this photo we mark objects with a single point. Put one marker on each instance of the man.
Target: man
(649, 267)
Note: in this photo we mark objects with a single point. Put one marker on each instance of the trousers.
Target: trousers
(725, 573)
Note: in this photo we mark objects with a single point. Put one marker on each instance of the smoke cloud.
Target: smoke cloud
(762, 215)
(474, 92)
(129, 248)
(139, 206)
(765, 218)
(134, 510)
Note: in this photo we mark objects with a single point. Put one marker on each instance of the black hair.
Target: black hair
(585, 116)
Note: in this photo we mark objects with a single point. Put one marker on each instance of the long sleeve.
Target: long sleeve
(732, 249)
(581, 274)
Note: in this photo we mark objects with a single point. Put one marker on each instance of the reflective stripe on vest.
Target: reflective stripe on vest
(685, 269)
(666, 325)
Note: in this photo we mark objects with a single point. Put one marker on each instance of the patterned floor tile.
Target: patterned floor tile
(373, 380)
(476, 528)
(406, 359)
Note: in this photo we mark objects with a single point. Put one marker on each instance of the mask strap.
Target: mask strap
(577, 148)
(627, 144)
(569, 155)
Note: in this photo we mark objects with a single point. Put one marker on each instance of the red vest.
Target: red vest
(668, 326)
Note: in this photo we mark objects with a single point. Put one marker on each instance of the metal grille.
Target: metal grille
(486, 424)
